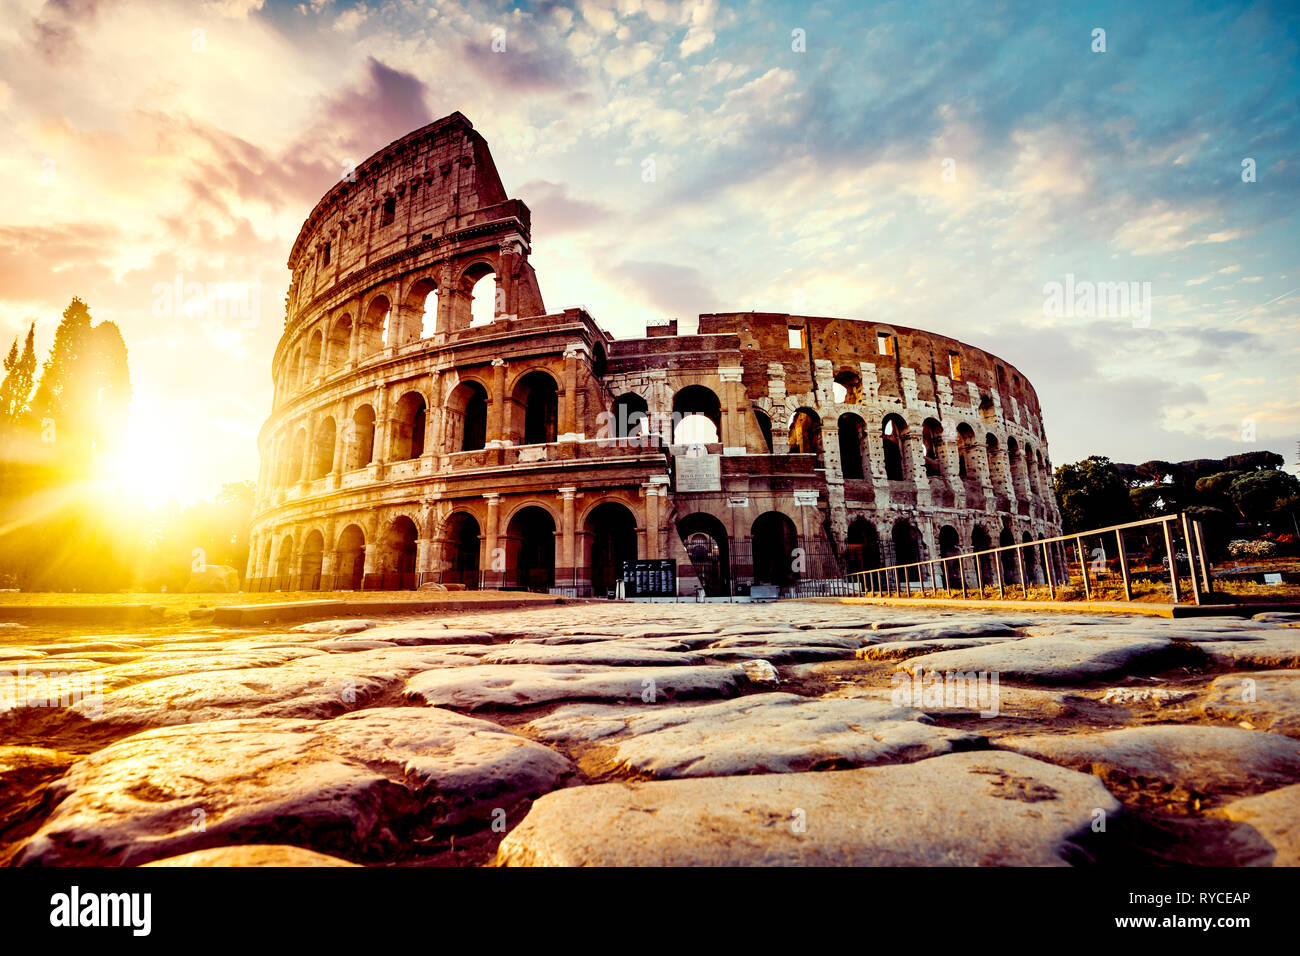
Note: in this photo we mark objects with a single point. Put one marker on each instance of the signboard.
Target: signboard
(1272, 579)
(653, 578)
(698, 472)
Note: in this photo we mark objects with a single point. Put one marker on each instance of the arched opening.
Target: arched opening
(467, 416)
(806, 433)
(374, 328)
(863, 551)
(764, 426)
(991, 452)
(1031, 484)
(530, 550)
(480, 284)
(965, 446)
(908, 546)
(932, 440)
(422, 310)
(460, 550)
(284, 564)
(340, 344)
(697, 416)
(297, 451)
(361, 438)
(1014, 466)
(611, 539)
(350, 559)
(398, 555)
(774, 541)
(979, 541)
(599, 361)
(409, 422)
(1005, 539)
(1030, 557)
(950, 547)
(894, 430)
(631, 416)
(311, 360)
(851, 432)
(293, 373)
(322, 457)
(313, 552)
(705, 540)
(537, 408)
(847, 389)
(264, 562)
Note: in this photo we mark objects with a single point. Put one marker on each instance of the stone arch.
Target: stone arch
(609, 539)
(529, 543)
(863, 550)
(847, 388)
(535, 402)
(965, 452)
(462, 546)
(420, 311)
(708, 548)
(374, 327)
(852, 436)
(284, 562)
(467, 417)
(297, 452)
(773, 541)
(350, 559)
(338, 350)
(765, 427)
(631, 414)
(309, 568)
(894, 432)
(980, 541)
(693, 406)
(311, 360)
(805, 432)
(322, 453)
(932, 442)
(1010, 573)
(410, 422)
(478, 284)
(360, 445)
(949, 547)
(397, 554)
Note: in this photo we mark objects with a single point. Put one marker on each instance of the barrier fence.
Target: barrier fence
(1082, 562)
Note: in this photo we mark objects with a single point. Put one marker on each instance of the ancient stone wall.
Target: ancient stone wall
(411, 444)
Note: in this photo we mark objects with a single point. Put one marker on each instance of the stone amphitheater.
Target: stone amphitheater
(434, 424)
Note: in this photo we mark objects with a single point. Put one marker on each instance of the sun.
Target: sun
(143, 473)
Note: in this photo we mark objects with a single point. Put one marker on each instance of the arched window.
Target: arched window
(863, 552)
(965, 448)
(374, 328)
(530, 550)
(340, 344)
(313, 549)
(361, 438)
(421, 310)
(992, 450)
(467, 413)
(297, 452)
(481, 284)
(697, 416)
(323, 449)
(847, 389)
(764, 426)
(894, 430)
(311, 361)
(805, 433)
(350, 559)
(460, 554)
(932, 439)
(609, 540)
(774, 542)
(409, 427)
(851, 430)
(631, 416)
(537, 404)
(398, 555)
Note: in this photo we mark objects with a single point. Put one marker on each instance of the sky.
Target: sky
(937, 165)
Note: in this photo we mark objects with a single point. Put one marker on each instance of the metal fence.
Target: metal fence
(1078, 561)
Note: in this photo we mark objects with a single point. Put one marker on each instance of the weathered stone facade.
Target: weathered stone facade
(409, 444)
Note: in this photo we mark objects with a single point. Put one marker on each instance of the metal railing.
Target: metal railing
(1058, 567)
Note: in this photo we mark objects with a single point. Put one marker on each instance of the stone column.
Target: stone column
(732, 433)
(568, 430)
(564, 573)
(496, 430)
(508, 279)
(492, 569)
(654, 491)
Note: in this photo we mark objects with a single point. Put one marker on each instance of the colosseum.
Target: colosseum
(418, 439)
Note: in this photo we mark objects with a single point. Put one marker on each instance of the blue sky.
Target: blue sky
(153, 139)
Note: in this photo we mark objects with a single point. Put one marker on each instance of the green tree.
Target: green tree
(20, 376)
(1091, 494)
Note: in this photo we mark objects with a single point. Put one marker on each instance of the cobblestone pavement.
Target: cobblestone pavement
(786, 733)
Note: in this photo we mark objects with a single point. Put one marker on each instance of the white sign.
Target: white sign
(1272, 579)
(699, 473)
